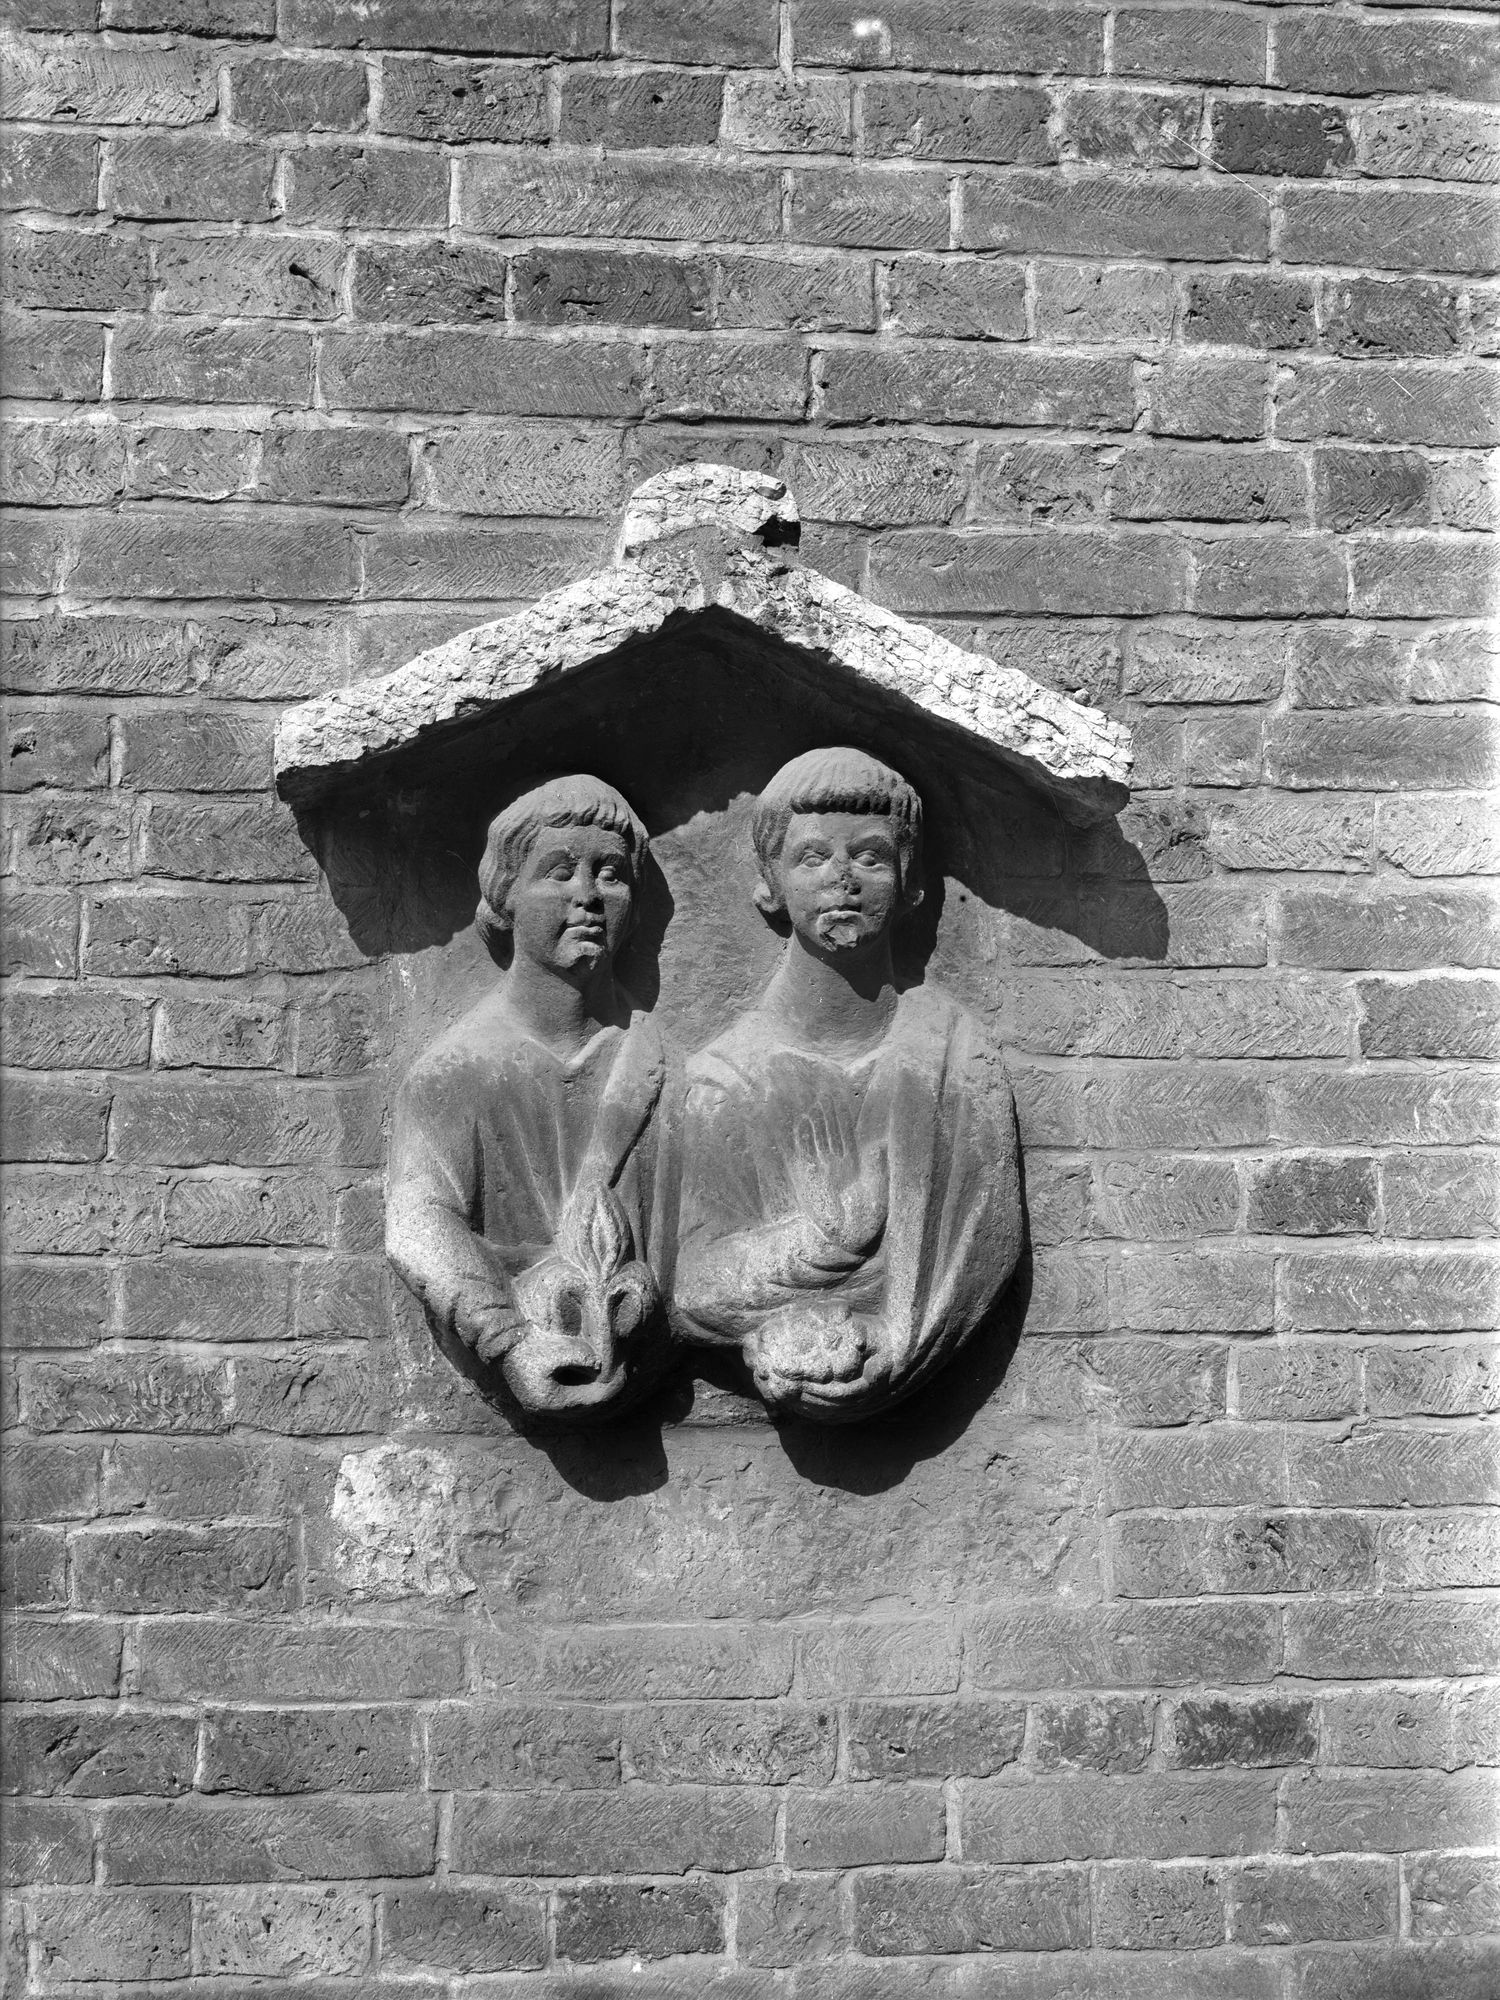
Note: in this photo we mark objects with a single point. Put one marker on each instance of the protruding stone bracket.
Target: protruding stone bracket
(705, 540)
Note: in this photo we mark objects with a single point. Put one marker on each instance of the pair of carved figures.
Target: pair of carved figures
(830, 1186)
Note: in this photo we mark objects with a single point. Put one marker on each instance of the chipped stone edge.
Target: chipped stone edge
(1060, 743)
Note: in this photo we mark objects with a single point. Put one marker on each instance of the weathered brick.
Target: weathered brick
(773, 113)
(91, 1935)
(984, 36)
(526, 1745)
(1451, 1378)
(883, 208)
(1451, 1894)
(229, 364)
(1165, 1556)
(47, 359)
(272, 277)
(1256, 137)
(174, 462)
(287, 1751)
(1110, 1733)
(956, 121)
(1249, 309)
(572, 28)
(602, 1920)
(370, 188)
(274, 94)
(1406, 1810)
(931, 1739)
(423, 98)
(244, 18)
(501, 196)
(180, 178)
(1438, 836)
(583, 287)
(666, 1830)
(1390, 319)
(639, 1662)
(45, 1120)
(222, 1660)
(108, 86)
(861, 1826)
(1096, 215)
(1289, 1902)
(1364, 56)
(1164, 484)
(1103, 305)
(953, 1910)
(53, 170)
(1371, 489)
(1075, 1819)
(733, 1743)
(1133, 128)
(807, 296)
(1138, 1906)
(938, 572)
(1427, 140)
(218, 1840)
(1391, 230)
(1428, 578)
(76, 271)
(469, 370)
(241, 1569)
(343, 464)
(86, 1753)
(1044, 1646)
(1379, 753)
(649, 107)
(1439, 1550)
(1202, 44)
(273, 1932)
(1444, 1018)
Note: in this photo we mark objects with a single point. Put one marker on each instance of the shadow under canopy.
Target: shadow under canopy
(690, 724)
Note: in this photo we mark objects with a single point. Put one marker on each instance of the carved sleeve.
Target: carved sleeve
(432, 1201)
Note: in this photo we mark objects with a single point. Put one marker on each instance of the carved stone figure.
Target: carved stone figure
(529, 1193)
(851, 1200)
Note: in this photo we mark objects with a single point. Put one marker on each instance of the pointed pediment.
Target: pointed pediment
(707, 544)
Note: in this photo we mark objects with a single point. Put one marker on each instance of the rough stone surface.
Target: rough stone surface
(1076, 753)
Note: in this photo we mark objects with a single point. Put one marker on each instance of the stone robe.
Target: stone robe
(510, 1164)
(827, 1332)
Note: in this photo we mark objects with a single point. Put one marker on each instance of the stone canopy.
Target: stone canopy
(705, 544)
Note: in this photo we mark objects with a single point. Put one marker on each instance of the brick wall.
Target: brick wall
(1141, 347)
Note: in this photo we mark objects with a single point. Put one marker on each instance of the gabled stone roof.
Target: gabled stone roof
(706, 539)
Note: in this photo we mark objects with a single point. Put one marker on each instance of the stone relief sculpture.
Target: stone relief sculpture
(851, 1197)
(830, 1187)
(528, 1185)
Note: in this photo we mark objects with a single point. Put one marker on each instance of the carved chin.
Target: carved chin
(841, 930)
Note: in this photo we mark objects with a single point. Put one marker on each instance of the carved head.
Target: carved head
(562, 873)
(838, 836)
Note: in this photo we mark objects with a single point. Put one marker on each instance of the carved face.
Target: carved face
(839, 876)
(573, 901)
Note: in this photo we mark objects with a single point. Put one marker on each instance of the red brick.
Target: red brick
(561, 27)
(176, 179)
(426, 99)
(475, 371)
(503, 196)
(649, 107)
(980, 35)
(696, 31)
(1370, 54)
(1098, 215)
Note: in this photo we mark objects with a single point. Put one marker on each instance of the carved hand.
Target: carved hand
(842, 1195)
